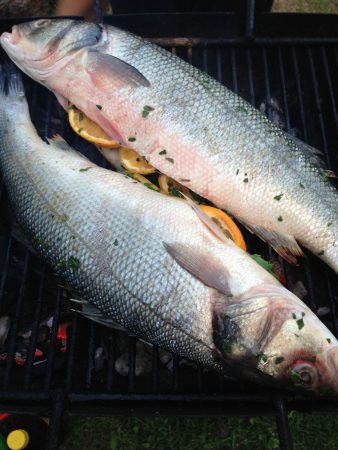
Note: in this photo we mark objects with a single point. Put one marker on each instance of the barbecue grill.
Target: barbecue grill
(286, 64)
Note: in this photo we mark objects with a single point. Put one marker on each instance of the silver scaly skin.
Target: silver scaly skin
(215, 143)
(150, 264)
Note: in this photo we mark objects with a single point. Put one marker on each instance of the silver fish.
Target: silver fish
(188, 126)
(149, 263)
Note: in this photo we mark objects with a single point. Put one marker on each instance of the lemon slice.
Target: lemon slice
(171, 187)
(226, 224)
(133, 162)
(89, 130)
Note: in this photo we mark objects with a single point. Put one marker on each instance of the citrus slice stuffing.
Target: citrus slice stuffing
(171, 187)
(89, 130)
(141, 179)
(226, 224)
(133, 162)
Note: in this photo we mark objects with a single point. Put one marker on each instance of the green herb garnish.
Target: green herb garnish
(237, 171)
(328, 340)
(85, 169)
(300, 324)
(245, 180)
(263, 358)
(64, 217)
(163, 152)
(242, 109)
(226, 347)
(99, 107)
(72, 107)
(132, 139)
(116, 242)
(62, 265)
(279, 359)
(146, 111)
(302, 185)
(321, 253)
(80, 130)
(278, 197)
(73, 262)
(280, 219)
(185, 180)
(81, 117)
(171, 160)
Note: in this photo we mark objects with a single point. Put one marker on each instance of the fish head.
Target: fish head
(274, 338)
(40, 46)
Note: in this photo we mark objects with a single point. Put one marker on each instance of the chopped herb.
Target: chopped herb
(62, 265)
(297, 335)
(43, 244)
(162, 152)
(295, 377)
(328, 340)
(294, 316)
(173, 190)
(73, 262)
(64, 217)
(146, 111)
(132, 139)
(80, 130)
(321, 253)
(280, 219)
(185, 180)
(171, 160)
(263, 358)
(278, 197)
(237, 171)
(245, 180)
(85, 169)
(99, 107)
(226, 347)
(300, 323)
(302, 185)
(242, 109)
(262, 262)
(138, 159)
(279, 360)
(303, 314)
(116, 242)
(72, 107)
(329, 224)
(245, 174)
(81, 117)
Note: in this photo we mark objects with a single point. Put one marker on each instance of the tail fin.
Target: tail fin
(11, 85)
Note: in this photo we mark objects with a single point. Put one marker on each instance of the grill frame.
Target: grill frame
(204, 31)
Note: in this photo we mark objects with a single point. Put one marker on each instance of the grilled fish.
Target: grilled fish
(188, 126)
(149, 264)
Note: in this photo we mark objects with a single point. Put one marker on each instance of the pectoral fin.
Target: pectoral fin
(203, 266)
(101, 66)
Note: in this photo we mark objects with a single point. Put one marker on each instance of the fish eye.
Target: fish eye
(304, 374)
(41, 23)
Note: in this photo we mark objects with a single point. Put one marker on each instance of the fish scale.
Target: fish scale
(150, 264)
(230, 152)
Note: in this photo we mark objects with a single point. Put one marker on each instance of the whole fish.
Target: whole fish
(150, 264)
(188, 126)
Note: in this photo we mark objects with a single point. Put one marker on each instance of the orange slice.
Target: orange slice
(133, 162)
(89, 130)
(171, 187)
(226, 224)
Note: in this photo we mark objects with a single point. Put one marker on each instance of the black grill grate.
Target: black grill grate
(297, 74)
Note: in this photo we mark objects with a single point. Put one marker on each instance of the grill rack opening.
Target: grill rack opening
(294, 83)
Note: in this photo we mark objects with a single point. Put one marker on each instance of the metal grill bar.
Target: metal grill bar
(14, 327)
(34, 335)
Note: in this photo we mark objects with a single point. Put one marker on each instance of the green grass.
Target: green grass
(309, 431)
